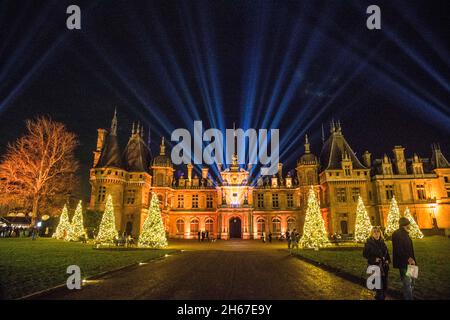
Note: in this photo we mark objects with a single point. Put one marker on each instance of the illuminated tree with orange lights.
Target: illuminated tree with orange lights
(39, 165)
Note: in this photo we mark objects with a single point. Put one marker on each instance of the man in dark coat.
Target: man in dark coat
(403, 255)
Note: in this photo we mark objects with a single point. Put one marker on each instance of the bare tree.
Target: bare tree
(39, 165)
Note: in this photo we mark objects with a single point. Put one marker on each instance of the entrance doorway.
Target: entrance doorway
(129, 228)
(235, 228)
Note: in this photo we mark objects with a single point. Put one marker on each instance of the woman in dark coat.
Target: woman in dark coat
(376, 253)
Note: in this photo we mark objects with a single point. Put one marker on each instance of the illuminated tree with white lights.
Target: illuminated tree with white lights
(63, 226)
(393, 217)
(107, 231)
(314, 232)
(153, 234)
(77, 227)
(362, 223)
(414, 231)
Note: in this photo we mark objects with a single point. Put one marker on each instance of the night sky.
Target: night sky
(293, 65)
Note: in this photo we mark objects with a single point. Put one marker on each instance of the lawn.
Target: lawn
(28, 266)
(433, 259)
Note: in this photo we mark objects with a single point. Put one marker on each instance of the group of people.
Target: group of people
(377, 253)
(203, 235)
(17, 232)
(292, 238)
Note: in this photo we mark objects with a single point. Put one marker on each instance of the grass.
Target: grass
(28, 266)
(433, 259)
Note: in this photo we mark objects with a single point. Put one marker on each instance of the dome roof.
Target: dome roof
(162, 160)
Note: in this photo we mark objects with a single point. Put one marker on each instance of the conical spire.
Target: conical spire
(114, 124)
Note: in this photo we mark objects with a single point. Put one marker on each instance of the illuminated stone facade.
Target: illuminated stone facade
(231, 205)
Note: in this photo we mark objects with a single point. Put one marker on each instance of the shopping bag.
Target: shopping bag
(413, 271)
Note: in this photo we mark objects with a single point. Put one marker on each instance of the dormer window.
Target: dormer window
(347, 170)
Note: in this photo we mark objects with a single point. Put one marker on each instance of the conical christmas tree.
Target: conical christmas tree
(76, 228)
(362, 223)
(63, 226)
(414, 231)
(153, 234)
(107, 231)
(393, 217)
(314, 232)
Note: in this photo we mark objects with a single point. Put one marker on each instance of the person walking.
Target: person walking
(403, 255)
(198, 234)
(377, 253)
(263, 237)
(295, 238)
(270, 237)
(288, 239)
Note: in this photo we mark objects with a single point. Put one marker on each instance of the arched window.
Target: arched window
(180, 226)
(291, 223)
(209, 225)
(276, 225)
(261, 225)
(194, 226)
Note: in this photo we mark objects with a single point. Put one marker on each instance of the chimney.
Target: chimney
(189, 170)
(204, 172)
(280, 169)
(400, 162)
(367, 158)
(101, 134)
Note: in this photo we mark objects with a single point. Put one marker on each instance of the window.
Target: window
(180, 201)
(276, 225)
(131, 196)
(275, 200)
(195, 201)
(347, 170)
(194, 226)
(260, 202)
(448, 192)
(261, 225)
(291, 223)
(209, 201)
(446, 180)
(389, 191)
(355, 194)
(101, 194)
(290, 200)
(420, 192)
(209, 225)
(341, 195)
(180, 226)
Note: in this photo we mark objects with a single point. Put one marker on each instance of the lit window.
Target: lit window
(341, 195)
(276, 225)
(389, 192)
(180, 200)
(420, 192)
(260, 202)
(101, 194)
(131, 195)
(180, 226)
(355, 194)
(290, 200)
(261, 225)
(209, 225)
(275, 200)
(209, 201)
(194, 226)
(195, 201)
